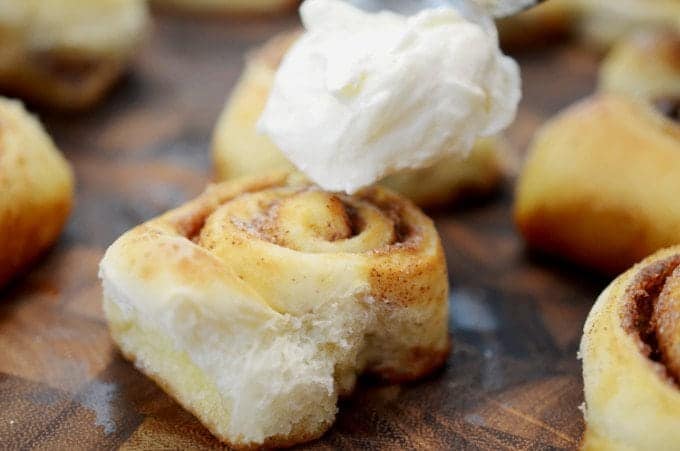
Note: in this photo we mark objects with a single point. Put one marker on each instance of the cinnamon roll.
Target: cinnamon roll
(645, 65)
(258, 303)
(36, 189)
(600, 184)
(229, 6)
(603, 22)
(238, 149)
(631, 359)
(66, 54)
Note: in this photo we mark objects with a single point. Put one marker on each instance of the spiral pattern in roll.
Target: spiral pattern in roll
(631, 359)
(315, 287)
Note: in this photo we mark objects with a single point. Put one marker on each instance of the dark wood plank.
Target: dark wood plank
(511, 382)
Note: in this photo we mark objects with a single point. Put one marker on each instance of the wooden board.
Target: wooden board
(512, 380)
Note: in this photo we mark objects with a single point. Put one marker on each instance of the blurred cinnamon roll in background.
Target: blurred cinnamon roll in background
(645, 65)
(36, 189)
(631, 359)
(66, 54)
(258, 304)
(228, 6)
(600, 184)
(238, 149)
(603, 22)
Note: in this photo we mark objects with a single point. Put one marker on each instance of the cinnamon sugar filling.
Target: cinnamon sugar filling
(638, 315)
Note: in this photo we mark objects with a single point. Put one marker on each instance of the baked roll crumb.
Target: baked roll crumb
(238, 149)
(66, 54)
(600, 184)
(257, 304)
(644, 65)
(36, 189)
(229, 6)
(631, 359)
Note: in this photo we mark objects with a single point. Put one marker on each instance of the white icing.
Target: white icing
(361, 96)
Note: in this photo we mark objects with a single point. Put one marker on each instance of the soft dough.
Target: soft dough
(631, 359)
(36, 189)
(238, 149)
(258, 303)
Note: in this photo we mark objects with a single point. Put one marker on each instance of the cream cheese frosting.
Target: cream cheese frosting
(363, 95)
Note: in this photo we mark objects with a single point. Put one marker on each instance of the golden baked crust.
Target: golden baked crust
(36, 189)
(238, 149)
(644, 65)
(66, 54)
(600, 184)
(229, 6)
(630, 377)
(59, 81)
(269, 267)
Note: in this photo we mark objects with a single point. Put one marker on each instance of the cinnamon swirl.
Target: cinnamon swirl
(238, 149)
(36, 189)
(631, 359)
(260, 302)
(600, 184)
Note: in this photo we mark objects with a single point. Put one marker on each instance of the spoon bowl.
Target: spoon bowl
(471, 9)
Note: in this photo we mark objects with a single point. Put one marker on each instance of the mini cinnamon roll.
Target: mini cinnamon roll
(631, 359)
(258, 303)
(36, 189)
(238, 149)
(600, 184)
(645, 65)
(66, 54)
(603, 22)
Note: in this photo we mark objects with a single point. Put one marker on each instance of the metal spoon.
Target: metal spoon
(469, 8)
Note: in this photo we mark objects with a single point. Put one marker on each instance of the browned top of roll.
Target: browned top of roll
(281, 230)
(284, 202)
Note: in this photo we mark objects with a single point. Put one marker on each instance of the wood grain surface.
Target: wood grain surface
(511, 382)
